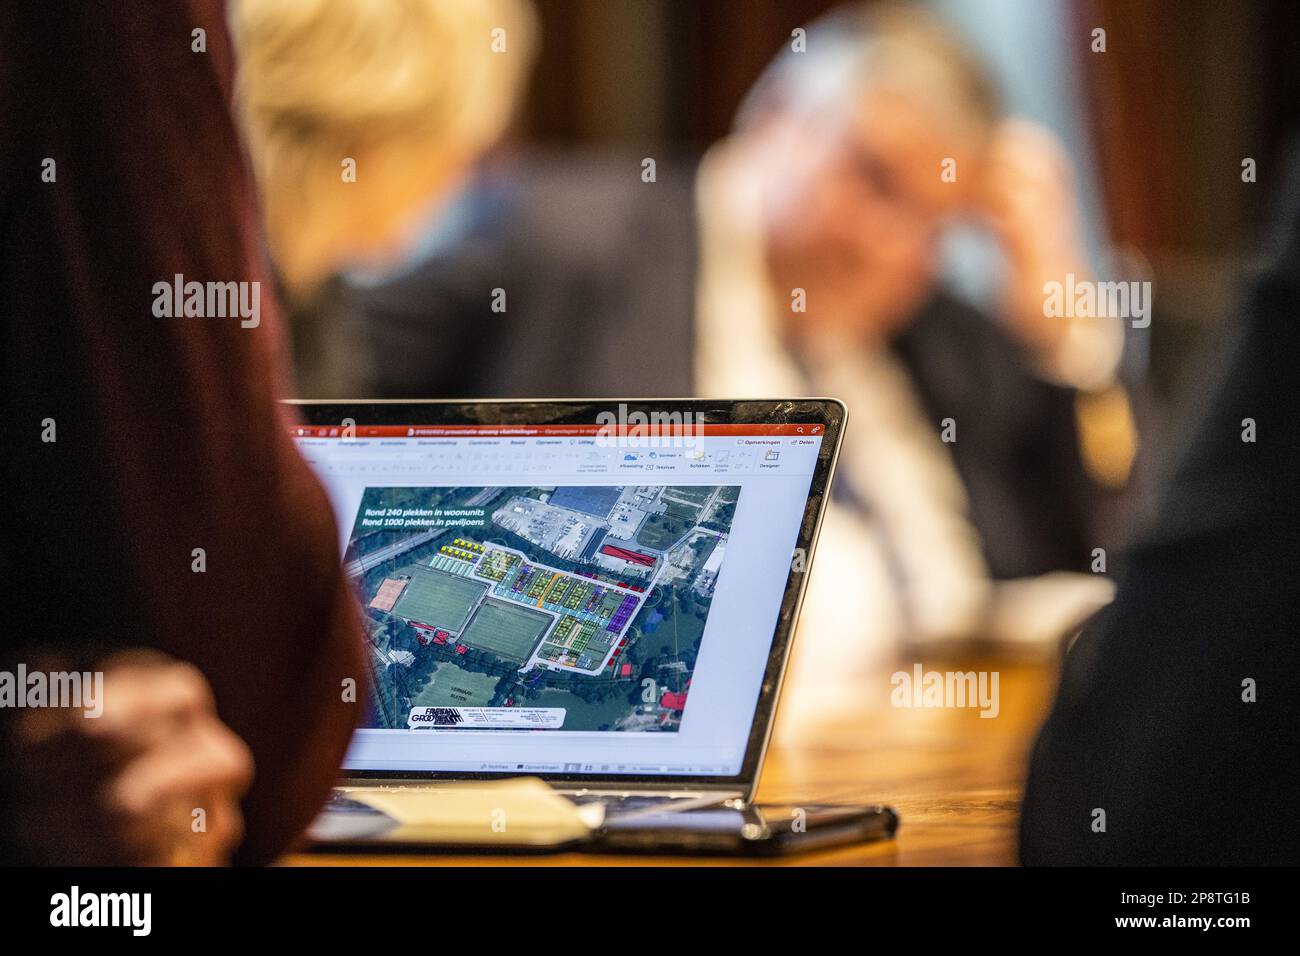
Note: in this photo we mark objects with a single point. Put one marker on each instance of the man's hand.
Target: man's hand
(1028, 197)
(156, 779)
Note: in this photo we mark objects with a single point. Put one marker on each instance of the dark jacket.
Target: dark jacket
(1177, 714)
(1017, 448)
(596, 272)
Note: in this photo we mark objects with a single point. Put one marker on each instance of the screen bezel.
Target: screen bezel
(828, 412)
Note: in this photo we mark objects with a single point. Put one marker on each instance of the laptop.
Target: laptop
(599, 594)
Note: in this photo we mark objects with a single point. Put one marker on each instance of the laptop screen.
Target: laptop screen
(565, 599)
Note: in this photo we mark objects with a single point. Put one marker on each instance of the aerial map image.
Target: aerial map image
(573, 608)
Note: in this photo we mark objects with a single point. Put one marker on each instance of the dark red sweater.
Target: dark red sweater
(168, 435)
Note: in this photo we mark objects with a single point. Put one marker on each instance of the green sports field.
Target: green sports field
(506, 629)
(452, 687)
(438, 598)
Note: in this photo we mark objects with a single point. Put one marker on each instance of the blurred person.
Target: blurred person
(492, 281)
(166, 533)
(1172, 738)
(365, 119)
(821, 219)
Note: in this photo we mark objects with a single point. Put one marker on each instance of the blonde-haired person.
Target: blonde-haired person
(362, 115)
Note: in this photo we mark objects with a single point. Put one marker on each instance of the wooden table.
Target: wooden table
(954, 777)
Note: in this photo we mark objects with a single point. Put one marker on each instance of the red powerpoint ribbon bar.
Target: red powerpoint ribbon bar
(544, 431)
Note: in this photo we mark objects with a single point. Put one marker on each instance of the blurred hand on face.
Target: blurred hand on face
(126, 787)
(1028, 197)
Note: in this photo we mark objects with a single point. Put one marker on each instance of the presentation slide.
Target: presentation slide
(567, 608)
